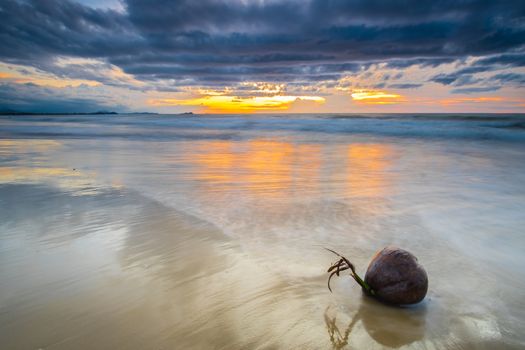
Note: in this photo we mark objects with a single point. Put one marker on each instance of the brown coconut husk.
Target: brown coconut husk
(393, 276)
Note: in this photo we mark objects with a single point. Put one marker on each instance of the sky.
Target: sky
(263, 56)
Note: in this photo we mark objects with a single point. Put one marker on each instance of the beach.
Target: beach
(203, 231)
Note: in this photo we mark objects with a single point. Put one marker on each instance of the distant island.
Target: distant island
(15, 112)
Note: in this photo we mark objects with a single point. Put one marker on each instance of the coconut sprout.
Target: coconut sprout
(393, 276)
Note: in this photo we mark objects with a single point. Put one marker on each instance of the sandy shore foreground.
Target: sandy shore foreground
(114, 270)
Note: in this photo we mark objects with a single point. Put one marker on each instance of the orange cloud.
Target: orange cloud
(237, 104)
(454, 101)
(376, 97)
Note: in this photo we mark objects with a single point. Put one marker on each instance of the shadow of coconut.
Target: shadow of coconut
(389, 326)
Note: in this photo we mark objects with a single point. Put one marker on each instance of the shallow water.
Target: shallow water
(208, 232)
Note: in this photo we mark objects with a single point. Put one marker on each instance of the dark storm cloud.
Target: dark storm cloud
(468, 76)
(458, 78)
(474, 90)
(465, 76)
(509, 60)
(36, 99)
(510, 78)
(422, 62)
(404, 86)
(33, 31)
(445, 79)
(209, 41)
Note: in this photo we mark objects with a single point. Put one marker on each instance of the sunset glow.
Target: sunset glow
(376, 97)
(237, 104)
(482, 99)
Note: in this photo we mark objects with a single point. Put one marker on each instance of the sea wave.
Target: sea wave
(509, 127)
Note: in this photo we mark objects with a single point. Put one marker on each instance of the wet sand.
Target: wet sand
(218, 244)
(117, 270)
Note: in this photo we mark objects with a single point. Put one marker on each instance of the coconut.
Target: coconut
(393, 276)
(396, 277)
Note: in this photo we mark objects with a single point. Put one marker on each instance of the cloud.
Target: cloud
(508, 59)
(404, 86)
(30, 97)
(36, 31)
(168, 46)
(470, 75)
(463, 76)
(213, 40)
(445, 79)
(512, 78)
(474, 90)
(467, 77)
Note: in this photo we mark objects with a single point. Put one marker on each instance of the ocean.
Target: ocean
(140, 231)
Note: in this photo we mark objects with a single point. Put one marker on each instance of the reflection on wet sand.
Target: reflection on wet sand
(260, 167)
(67, 179)
(36, 168)
(367, 169)
(266, 168)
(214, 161)
(139, 275)
(26, 147)
(278, 190)
(388, 326)
(276, 169)
(307, 172)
